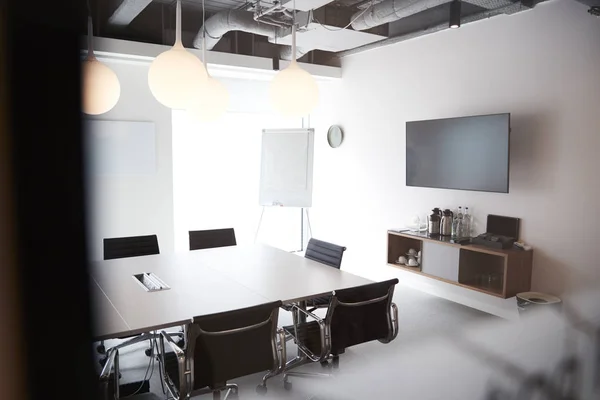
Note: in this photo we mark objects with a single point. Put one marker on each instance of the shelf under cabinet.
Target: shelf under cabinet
(417, 270)
(402, 266)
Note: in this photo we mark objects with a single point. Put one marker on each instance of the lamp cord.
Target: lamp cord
(294, 32)
(204, 37)
(178, 23)
(90, 33)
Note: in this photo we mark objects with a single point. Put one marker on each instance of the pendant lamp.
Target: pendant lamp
(100, 86)
(211, 101)
(294, 92)
(175, 74)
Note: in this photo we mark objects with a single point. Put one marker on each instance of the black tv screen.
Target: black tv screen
(468, 153)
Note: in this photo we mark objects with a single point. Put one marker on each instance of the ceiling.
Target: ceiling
(322, 34)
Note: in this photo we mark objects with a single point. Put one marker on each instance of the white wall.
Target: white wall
(543, 66)
(135, 205)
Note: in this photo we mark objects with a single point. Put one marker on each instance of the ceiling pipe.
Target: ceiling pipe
(239, 20)
(390, 11)
(231, 20)
(510, 9)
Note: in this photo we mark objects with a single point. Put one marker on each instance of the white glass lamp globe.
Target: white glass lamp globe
(100, 85)
(210, 102)
(175, 75)
(294, 92)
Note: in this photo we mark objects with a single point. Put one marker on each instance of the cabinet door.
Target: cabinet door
(440, 260)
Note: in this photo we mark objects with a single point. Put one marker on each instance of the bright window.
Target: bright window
(216, 172)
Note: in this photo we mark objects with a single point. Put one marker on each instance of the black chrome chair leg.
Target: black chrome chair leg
(336, 362)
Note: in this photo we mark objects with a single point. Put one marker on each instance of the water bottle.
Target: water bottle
(456, 224)
(467, 223)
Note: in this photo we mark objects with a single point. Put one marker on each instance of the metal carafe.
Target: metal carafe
(446, 223)
(433, 222)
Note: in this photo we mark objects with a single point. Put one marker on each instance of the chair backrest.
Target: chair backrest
(209, 239)
(361, 314)
(132, 246)
(232, 344)
(325, 253)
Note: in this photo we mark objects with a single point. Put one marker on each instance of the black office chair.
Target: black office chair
(133, 246)
(224, 346)
(212, 238)
(326, 253)
(124, 247)
(356, 315)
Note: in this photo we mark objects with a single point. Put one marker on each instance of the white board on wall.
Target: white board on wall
(120, 147)
(286, 172)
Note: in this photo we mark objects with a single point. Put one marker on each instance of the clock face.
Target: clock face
(335, 136)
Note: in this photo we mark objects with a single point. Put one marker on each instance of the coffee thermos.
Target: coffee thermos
(446, 223)
(434, 221)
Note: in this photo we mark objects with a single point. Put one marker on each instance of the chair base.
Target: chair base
(231, 394)
(296, 362)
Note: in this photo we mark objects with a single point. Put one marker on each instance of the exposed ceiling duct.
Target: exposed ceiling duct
(508, 9)
(329, 29)
(231, 20)
(239, 20)
(391, 10)
(275, 23)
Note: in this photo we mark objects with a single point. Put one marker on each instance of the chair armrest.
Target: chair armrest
(113, 355)
(184, 386)
(176, 349)
(324, 333)
(394, 320)
(112, 359)
(282, 354)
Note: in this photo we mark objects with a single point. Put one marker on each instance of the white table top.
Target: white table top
(276, 274)
(108, 323)
(204, 282)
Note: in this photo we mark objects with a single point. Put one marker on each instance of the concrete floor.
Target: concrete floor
(421, 316)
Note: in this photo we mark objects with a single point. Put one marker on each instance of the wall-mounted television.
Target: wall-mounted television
(466, 153)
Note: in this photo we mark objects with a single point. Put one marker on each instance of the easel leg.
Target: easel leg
(259, 223)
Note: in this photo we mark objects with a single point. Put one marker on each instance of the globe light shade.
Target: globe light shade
(210, 102)
(100, 85)
(174, 76)
(294, 92)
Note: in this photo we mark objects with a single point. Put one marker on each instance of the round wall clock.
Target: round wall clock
(335, 136)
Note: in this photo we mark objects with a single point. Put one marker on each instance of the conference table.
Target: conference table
(203, 282)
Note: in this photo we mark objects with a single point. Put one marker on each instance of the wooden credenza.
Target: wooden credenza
(469, 266)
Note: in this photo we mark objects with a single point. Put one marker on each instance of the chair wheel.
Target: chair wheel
(233, 396)
(287, 385)
(325, 364)
(101, 349)
(148, 352)
(261, 389)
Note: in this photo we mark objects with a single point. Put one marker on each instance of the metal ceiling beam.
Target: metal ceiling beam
(126, 12)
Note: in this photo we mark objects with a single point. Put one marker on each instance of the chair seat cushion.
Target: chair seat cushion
(308, 334)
